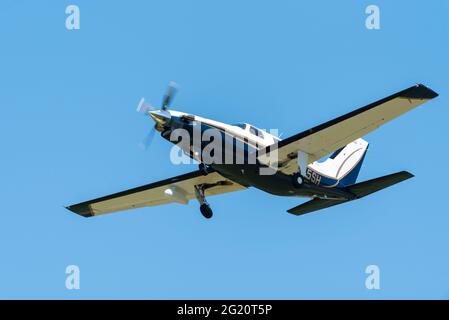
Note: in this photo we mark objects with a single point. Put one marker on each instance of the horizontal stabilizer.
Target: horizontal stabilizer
(359, 190)
(367, 187)
(314, 205)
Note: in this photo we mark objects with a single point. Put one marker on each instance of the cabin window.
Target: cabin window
(256, 132)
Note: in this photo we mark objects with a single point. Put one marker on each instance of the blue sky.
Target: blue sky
(70, 133)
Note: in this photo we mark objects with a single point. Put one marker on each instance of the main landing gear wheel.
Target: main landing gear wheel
(206, 211)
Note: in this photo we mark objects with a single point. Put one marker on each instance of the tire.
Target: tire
(206, 211)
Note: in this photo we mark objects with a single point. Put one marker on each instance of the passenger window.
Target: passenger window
(253, 130)
(256, 132)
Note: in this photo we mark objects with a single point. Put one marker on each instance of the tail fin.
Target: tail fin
(343, 166)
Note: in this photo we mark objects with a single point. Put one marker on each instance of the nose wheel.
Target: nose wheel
(205, 208)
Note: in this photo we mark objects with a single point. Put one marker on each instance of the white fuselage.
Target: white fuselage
(252, 134)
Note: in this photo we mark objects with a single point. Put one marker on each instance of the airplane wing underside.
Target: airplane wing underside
(182, 189)
(335, 134)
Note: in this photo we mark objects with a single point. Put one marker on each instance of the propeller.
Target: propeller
(159, 116)
(145, 144)
(169, 95)
(144, 107)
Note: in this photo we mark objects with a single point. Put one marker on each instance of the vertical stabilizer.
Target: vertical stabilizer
(343, 166)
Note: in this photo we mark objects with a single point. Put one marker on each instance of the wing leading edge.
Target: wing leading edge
(153, 194)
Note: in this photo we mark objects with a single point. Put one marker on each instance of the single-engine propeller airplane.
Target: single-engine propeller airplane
(296, 170)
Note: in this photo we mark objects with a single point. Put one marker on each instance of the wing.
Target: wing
(181, 190)
(335, 134)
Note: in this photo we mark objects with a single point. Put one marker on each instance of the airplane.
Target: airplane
(295, 162)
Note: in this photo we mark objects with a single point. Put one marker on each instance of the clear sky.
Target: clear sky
(70, 133)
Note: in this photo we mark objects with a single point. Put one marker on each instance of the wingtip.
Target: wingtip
(419, 91)
(407, 175)
(81, 209)
(429, 92)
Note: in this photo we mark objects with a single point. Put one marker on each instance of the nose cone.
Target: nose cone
(160, 116)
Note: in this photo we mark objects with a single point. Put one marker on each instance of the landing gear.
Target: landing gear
(205, 208)
(204, 169)
(206, 211)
